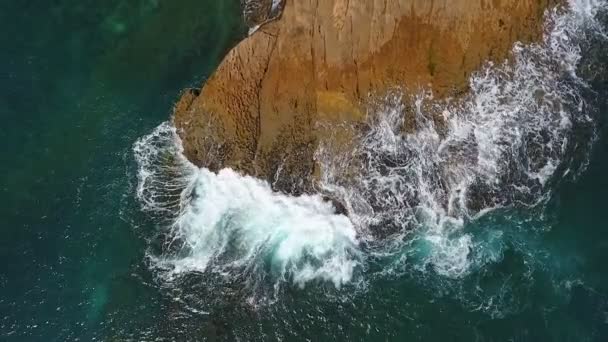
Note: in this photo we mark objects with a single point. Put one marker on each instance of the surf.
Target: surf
(236, 226)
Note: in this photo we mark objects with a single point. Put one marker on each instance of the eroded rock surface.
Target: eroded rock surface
(296, 79)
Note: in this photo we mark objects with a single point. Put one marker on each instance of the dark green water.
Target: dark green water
(80, 81)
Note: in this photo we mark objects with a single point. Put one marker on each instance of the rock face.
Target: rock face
(292, 82)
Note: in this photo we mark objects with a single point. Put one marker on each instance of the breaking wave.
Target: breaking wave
(235, 225)
(414, 197)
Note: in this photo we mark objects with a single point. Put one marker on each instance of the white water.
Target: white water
(504, 145)
(235, 225)
(239, 219)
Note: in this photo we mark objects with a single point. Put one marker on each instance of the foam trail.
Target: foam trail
(236, 226)
(164, 174)
(240, 219)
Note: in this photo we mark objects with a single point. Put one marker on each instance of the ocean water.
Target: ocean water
(81, 82)
(492, 228)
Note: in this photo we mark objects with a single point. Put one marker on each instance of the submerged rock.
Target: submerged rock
(293, 82)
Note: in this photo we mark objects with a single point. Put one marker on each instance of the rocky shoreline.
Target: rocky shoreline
(310, 66)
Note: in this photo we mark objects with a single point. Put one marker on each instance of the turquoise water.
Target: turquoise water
(82, 81)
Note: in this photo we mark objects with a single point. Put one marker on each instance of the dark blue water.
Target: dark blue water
(81, 81)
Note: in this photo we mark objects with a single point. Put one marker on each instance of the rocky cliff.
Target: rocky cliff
(319, 63)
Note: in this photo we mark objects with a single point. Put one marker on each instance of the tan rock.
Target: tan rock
(323, 59)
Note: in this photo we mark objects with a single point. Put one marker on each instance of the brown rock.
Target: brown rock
(322, 60)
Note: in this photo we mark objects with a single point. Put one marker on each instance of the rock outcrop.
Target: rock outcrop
(322, 60)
